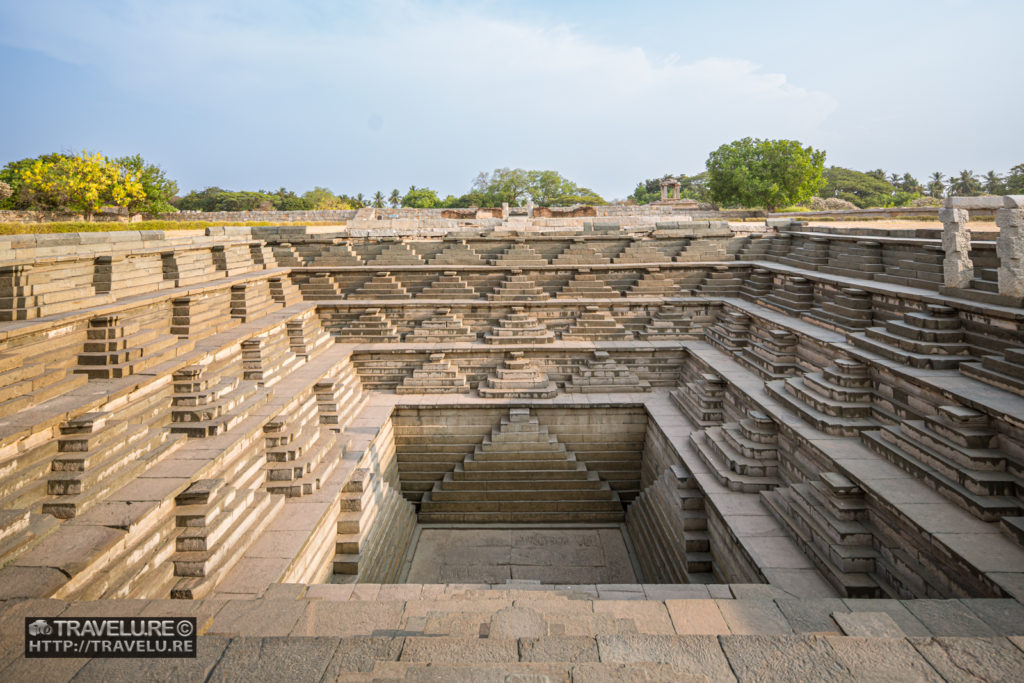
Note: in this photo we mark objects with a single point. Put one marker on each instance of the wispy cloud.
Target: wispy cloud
(444, 90)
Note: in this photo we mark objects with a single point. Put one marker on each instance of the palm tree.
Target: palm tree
(993, 183)
(937, 184)
(395, 200)
(360, 200)
(378, 200)
(909, 183)
(965, 185)
(894, 179)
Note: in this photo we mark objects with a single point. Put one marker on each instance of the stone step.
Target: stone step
(986, 508)
(830, 424)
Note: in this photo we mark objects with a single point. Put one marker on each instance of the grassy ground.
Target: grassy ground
(40, 228)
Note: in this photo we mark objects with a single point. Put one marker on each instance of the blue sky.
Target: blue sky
(365, 96)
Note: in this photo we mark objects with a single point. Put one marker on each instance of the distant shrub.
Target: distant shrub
(830, 204)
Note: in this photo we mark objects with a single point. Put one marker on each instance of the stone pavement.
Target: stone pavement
(588, 633)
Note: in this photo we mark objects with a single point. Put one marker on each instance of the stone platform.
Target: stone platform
(810, 440)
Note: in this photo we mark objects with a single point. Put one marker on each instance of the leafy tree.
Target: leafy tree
(322, 199)
(421, 198)
(378, 200)
(768, 173)
(937, 184)
(1013, 183)
(516, 185)
(965, 185)
(894, 179)
(863, 189)
(908, 183)
(395, 199)
(993, 183)
(877, 173)
(84, 183)
(503, 185)
(158, 189)
(12, 174)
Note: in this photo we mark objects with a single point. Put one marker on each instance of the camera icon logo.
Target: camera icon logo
(40, 627)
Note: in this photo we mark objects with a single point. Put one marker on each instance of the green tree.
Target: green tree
(84, 183)
(768, 173)
(158, 189)
(965, 185)
(421, 198)
(993, 183)
(1013, 183)
(322, 199)
(908, 183)
(11, 174)
(862, 189)
(378, 200)
(503, 185)
(937, 184)
(395, 199)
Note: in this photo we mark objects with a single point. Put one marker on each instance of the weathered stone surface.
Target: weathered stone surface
(972, 659)
(760, 658)
(274, 658)
(697, 654)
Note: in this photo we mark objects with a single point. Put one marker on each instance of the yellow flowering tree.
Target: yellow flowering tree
(84, 183)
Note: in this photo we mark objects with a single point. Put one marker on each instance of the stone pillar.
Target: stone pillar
(529, 208)
(957, 268)
(1010, 246)
(676, 189)
(664, 192)
(504, 211)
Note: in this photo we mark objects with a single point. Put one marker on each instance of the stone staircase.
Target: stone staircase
(770, 352)
(721, 281)
(436, 376)
(519, 327)
(375, 527)
(848, 311)
(1004, 371)
(579, 253)
(518, 287)
(441, 327)
(116, 347)
(668, 525)
(382, 285)
(700, 397)
(836, 401)
(794, 297)
(730, 332)
(517, 377)
(300, 453)
(519, 255)
(742, 456)
(521, 474)
(932, 339)
(602, 374)
(958, 454)
(251, 300)
(642, 251)
(457, 254)
(586, 285)
(828, 517)
(596, 324)
(757, 285)
(396, 254)
(669, 323)
(448, 286)
(655, 282)
(370, 326)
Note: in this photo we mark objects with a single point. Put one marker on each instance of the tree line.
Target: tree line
(749, 173)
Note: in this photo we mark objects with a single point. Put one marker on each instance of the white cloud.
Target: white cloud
(453, 90)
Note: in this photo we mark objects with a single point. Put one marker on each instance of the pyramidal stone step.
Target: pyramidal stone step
(669, 323)
(580, 253)
(518, 287)
(602, 374)
(443, 326)
(458, 254)
(382, 285)
(496, 483)
(585, 284)
(448, 286)
(436, 376)
(517, 377)
(1005, 371)
(519, 255)
(519, 327)
(596, 324)
(370, 326)
(397, 254)
(655, 282)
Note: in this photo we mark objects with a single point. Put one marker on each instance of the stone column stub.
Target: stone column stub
(1010, 246)
(957, 267)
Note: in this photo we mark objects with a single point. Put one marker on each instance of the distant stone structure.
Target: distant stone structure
(795, 429)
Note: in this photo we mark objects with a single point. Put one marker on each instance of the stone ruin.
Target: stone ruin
(522, 448)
